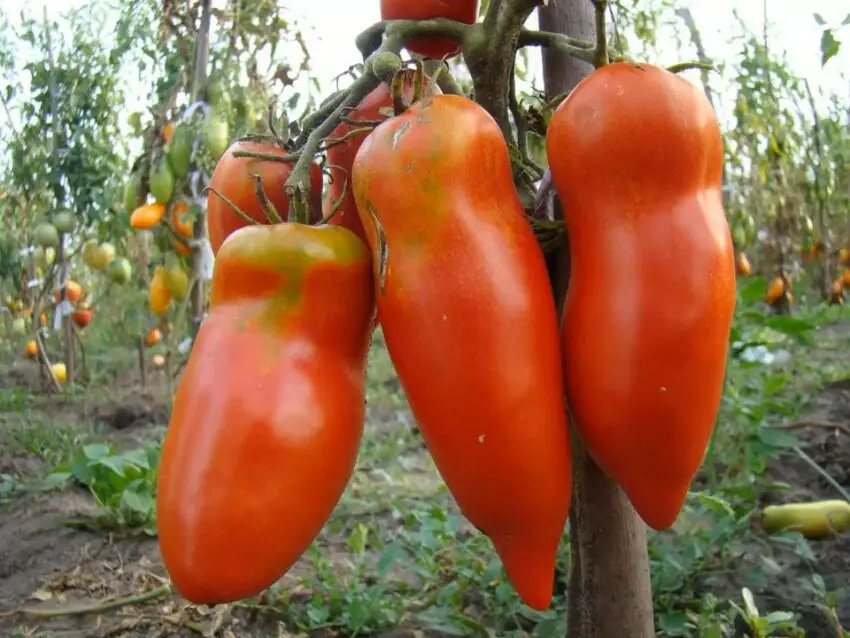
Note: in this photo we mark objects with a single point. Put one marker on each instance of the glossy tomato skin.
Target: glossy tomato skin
(232, 178)
(636, 157)
(470, 325)
(269, 412)
(465, 11)
(374, 107)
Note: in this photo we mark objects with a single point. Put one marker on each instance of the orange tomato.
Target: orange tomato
(844, 256)
(636, 156)
(168, 132)
(232, 178)
(845, 277)
(32, 349)
(153, 337)
(775, 290)
(181, 220)
(258, 450)
(742, 265)
(147, 216)
(73, 292)
(159, 296)
(470, 324)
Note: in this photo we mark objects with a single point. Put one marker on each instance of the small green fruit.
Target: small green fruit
(43, 257)
(162, 181)
(64, 222)
(46, 235)
(132, 194)
(180, 151)
(216, 134)
(119, 270)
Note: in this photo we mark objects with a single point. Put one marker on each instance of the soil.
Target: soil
(47, 564)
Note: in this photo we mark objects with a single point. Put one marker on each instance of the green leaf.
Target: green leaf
(140, 502)
(829, 46)
(96, 451)
(819, 19)
(753, 290)
(777, 438)
(715, 504)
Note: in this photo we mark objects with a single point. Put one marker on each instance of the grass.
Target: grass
(396, 551)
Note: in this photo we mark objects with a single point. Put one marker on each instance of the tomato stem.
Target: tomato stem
(600, 55)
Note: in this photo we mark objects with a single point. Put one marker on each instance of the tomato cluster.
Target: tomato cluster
(429, 234)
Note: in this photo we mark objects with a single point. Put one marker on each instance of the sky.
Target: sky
(331, 26)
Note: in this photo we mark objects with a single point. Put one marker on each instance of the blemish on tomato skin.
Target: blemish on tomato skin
(398, 134)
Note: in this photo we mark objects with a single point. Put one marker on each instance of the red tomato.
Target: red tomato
(341, 156)
(465, 11)
(232, 178)
(269, 412)
(636, 157)
(469, 320)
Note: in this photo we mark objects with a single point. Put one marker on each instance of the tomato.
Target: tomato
(159, 296)
(232, 178)
(269, 412)
(32, 349)
(181, 220)
(775, 290)
(147, 216)
(341, 156)
(742, 265)
(845, 277)
(168, 132)
(465, 11)
(73, 292)
(636, 157)
(153, 337)
(470, 325)
(82, 317)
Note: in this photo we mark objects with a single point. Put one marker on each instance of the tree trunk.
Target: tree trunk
(609, 591)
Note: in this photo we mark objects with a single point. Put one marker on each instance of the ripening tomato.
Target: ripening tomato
(470, 324)
(465, 11)
(775, 290)
(159, 296)
(742, 265)
(147, 216)
(375, 107)
(73, 292)
(269, 412)
(636, 156)
(232, 178)
(82, 317)
(181, 219)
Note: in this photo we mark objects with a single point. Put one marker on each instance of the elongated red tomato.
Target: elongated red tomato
(470, 325)
(269, 412)
(232, 178)
(373, 108)
(636, 157)
(465, 11)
